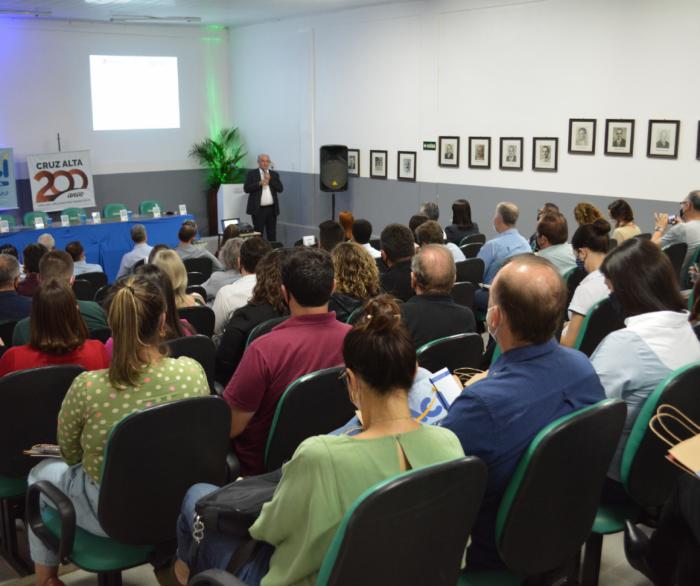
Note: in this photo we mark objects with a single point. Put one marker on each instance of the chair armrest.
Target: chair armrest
(63, 545)
(215, 578)
(233, 467)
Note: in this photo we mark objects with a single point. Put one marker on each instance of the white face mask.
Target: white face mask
(492, 332)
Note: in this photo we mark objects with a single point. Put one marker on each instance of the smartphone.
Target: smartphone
(672, 219)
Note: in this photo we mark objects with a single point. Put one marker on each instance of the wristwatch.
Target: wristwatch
(658, 229)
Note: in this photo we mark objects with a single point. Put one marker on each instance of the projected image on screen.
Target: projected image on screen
(132, 93)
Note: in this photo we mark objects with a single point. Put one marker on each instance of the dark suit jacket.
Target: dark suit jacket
(397, 280)
(254, 191)
(429, 317)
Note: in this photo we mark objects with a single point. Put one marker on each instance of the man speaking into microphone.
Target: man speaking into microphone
(262, 186)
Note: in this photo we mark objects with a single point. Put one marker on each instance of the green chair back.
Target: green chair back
(146, 207)
(600, 320)
(73, 214)
(355, 315)
(112, 210)
(457, 351)
(9, 219)
(30, 216)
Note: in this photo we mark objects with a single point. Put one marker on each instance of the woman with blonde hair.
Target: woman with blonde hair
(171, 264)
(587, 213)
(356, 279)
(132, 382)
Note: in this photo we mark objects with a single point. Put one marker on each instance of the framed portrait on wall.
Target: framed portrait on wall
(406, 166)
(697, 147)
(619, 137)
(377, 164)
(480, 152)
(511, 153)
(582, 136)
(662, 139)
(448, 151)
(545, 153)
(354, 162)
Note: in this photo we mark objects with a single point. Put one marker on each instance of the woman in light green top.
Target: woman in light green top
(139, 376)
(328, 473)
(625, 228)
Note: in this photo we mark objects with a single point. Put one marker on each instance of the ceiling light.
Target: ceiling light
(18, 12)
(155, 19)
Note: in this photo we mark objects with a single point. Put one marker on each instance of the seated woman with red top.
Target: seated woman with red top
(58, 334)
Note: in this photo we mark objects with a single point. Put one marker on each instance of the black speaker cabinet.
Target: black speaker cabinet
(334, 168)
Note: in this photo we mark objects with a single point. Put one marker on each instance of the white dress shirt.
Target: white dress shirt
(373, 251)
(230, 298)
(266, 199)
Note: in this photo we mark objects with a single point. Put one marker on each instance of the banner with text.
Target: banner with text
(8, 188)
(61, 180)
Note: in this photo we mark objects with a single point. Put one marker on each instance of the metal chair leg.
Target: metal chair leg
(591, 560)
(109, 578)
(10, 511)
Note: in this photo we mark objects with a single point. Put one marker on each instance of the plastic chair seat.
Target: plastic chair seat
(98, 554)
(11, 487)
(611, 518)
(495, 578)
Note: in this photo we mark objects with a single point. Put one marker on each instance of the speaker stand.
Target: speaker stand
(333, 206)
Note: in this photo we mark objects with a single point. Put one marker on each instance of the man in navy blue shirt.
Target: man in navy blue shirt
(532, 383)
(13, 306)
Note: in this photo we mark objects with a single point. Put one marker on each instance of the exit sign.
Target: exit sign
(429, 145)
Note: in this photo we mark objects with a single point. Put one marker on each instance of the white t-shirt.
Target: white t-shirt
(589, 291)
(230, 298)
(373, 251)
(266, 197)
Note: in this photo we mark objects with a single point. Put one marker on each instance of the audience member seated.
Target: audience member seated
(356, 279)
(228, 255)
(231, 231)
(398, 249)
(551, 237)
(47, 240)
(170, 263)
(266, 303)
(58, 265)
(80, 264)
(362, 234)
(13, 306)
(231, 297)
(462, 225)
(10, 249)
(414, 222)
(546, 208)
(140, 252)
(31, 255)
(131, 383)
(330, 234)
(497, 251)
(533, 382)
(432, 313)
(625, 228)
(590, 243)
(656, 340)
(58, 334)
(346, 220)
(155, 250)
(328, 473)
(186, 249)
(587, 213)
(431, 232)
(686, 230)
(430, 209)
(311, 339)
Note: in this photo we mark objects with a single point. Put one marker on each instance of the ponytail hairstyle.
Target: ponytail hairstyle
(134, 316)
(379, 348)
(592, 236)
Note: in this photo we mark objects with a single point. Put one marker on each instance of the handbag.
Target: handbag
(683, 453)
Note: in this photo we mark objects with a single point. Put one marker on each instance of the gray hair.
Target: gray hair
(430, 209)
(9, 270)
(230, 252)
(138, 233)
(434, 268)
(47, 240)
(263, 155)
(508, 212)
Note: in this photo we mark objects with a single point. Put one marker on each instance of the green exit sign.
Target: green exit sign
(429, 145)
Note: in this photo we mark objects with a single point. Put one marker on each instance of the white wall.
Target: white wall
(46, 90)
(392, 76)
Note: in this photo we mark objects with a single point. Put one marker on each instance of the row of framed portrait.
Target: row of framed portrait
(379, 162)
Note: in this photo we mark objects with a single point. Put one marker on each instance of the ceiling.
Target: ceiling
(223, 12)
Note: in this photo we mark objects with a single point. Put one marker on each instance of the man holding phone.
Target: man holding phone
(262, 186)
(686, 230)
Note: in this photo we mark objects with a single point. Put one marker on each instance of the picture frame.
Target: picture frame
(354, 162)
(545, 153)
(378, 164)
(582, 134)
(406, 165)
(511, 153)
(479, 152)
(619, 137)
(697, 147)
(662, 139)
(448, 151)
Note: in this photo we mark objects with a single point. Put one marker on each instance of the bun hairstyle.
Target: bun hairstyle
(592, 236)
(379, 348)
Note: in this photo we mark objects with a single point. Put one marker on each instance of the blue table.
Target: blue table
(104, 243)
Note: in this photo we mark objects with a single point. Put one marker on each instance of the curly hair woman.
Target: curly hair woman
(356, 279)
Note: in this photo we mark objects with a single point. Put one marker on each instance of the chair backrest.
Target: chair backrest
(198, 289)
(7, 330)
(471, 250)
(409, 529)
(201, 264)
(600, 320)
(146, 206)
(101, 294)
(98, 279)
(463, 293)
(481, 238)
(30, 216)
(276, 244)
(201, 318)
(573, 278)
(647, 475)
(264, 328)
(314, 404)
(549, 506)
(152, 458)
(355, 315)
(84, 290)
(11, 222)
(458, 351)
(201, 349)
(644, 235)
(676, 254)
(196, 278)
(140, 263)
(101, 334)
(112, 210)
(375, 243)
(471, 270)
(29, 404)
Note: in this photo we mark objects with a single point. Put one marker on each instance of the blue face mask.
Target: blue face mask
(579, 264)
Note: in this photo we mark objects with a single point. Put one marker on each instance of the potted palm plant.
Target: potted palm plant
(222, 156)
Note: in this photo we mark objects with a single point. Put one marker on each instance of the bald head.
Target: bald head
(531, 296)
(433, 269)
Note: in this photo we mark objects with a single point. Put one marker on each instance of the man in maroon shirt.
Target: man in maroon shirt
(311, 339)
